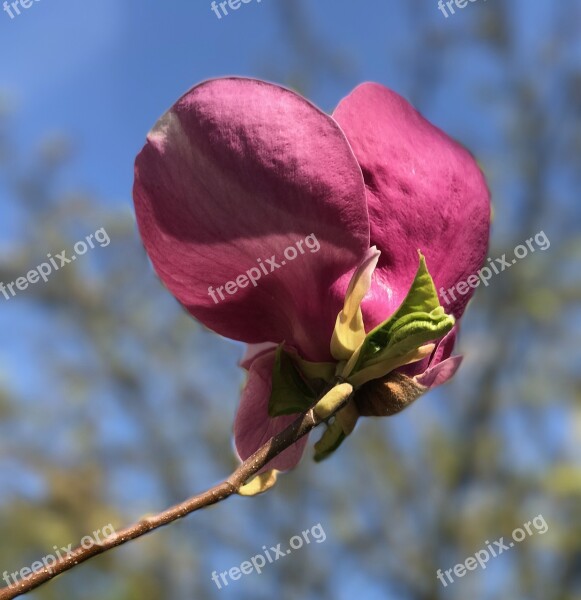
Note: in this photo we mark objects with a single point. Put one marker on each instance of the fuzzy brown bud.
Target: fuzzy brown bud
(387, 396)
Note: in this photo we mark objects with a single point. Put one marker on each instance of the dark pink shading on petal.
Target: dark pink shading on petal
(239, 170)
(253, 427)
(425, 191)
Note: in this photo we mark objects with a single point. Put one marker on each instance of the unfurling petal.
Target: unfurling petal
(440, 373)
(440, 367)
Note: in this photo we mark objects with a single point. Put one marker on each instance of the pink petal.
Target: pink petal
(445, 346)
(253, 427)
(441, 373)
(237, 171)
(253, 351)
(424, 190)
(442, 366)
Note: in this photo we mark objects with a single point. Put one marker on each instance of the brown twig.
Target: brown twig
(294, 432)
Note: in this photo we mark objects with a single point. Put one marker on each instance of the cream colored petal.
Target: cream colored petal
(349, 330)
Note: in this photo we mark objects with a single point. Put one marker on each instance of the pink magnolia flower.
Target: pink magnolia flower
(239, 170)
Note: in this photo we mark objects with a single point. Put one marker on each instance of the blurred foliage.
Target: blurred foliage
(122, 405)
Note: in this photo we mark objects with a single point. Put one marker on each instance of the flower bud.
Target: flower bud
(387, 396)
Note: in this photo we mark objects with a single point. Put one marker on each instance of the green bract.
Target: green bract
(331, 439)
(290, 392)
(420, 319)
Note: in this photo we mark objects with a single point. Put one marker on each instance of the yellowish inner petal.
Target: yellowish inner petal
(349, 330)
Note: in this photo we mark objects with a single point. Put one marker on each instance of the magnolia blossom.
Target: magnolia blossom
(240, 169)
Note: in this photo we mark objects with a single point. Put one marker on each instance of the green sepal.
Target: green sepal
(331, 439)
(290, 393)
(420, 319)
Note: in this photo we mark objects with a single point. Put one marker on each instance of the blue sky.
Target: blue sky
(105, 71)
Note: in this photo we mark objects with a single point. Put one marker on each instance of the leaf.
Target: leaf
(330, 441)
(420, 319)
(412, 331)
(290, 392)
